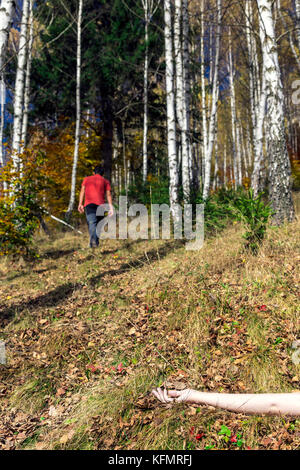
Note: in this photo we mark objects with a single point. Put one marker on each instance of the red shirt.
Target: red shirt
(95, 189)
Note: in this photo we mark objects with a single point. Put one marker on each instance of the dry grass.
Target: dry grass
(168, 316)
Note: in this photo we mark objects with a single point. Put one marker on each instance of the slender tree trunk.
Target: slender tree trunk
(171, 123)
(225, 166)
(2, 116)
(286, 28)
(214, 105)
(78, 113)
(216, 172)
(279, 163)
(27, 80)
(19, 86)
(297, 5)
(7, 9)
(181, 95)
(186, 147)
(203, 93)
(259, 137)
(125, 166)
(233, 114)
(146, 67)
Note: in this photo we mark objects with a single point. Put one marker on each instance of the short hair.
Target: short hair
(99, 170)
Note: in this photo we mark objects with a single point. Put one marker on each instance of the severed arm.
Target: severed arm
(260, 403)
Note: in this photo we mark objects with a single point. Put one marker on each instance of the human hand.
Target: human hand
(170, 396)
(81, 208)
(111, 211)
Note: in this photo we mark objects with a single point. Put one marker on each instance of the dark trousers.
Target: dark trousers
(92, 221)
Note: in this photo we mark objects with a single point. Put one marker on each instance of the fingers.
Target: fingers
(174, 393)
(162, 395)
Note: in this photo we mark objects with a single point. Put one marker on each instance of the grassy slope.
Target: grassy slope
(89, 334)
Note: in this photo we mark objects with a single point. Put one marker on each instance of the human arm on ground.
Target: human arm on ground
(260, 403)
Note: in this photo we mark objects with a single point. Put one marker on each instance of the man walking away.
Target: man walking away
(93, 190)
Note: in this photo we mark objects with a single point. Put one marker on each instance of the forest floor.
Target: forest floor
(89, 333)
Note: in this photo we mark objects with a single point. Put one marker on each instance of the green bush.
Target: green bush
(254, 214)
(20, 211)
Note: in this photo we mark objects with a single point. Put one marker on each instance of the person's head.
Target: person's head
(99, 170)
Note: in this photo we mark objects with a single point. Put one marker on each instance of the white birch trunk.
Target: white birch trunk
(19, 86)
(78, 112)
(279, 163)
(233, 113)
(286, 28)
(258, 135)
(214, 105)
(171, 122)
(7, 9)
(181, 94)
(146, 67)
(149, 10)
(2, 116)
(297, 5)
(203, 94)
(216, 172)
(186, 147)
(27, 80)
(225, 166)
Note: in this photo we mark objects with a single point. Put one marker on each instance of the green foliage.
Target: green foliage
(254, 214)
(20, 210)
(154, 191)
(217, 212)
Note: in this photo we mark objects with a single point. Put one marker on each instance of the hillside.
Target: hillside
(90, 333)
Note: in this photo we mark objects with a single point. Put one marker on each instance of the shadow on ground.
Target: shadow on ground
(64, 291)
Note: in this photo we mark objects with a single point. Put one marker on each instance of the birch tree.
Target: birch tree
(279, 163)
(180, 97)
(171, 120)
(214, 105)
(78, 112)
(19, 86)
(186, 148)
(27, 80)
(297, 7)
(7, 9)
(203, 92)
(2, 117)
(149, 10)
(235, 137)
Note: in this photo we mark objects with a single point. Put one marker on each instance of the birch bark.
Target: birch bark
(233, 113)
(297, 6)
(279, 163)
(213, 113)
(146, 68)
(186, 148)
(19, 86)
(27, 80)
(203, 93)
(171, 123)
(7, 10)
(78, 112)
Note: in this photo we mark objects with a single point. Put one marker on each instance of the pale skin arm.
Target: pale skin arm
(109, 200)
(81, 197)
(260, 403)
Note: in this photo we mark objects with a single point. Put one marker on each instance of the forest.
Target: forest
(126, 338)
